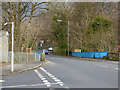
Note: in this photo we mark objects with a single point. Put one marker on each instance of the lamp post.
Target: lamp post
(12, 57)
(68, 32)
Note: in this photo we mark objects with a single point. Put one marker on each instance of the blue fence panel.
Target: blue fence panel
(90, 54)
(38, 52)
(97, 55)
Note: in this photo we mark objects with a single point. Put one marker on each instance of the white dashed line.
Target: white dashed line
(58, 81)
(2, 81)
(105, 66)
(62, 85)
(43, 79)
(54, 78)
(116, 68)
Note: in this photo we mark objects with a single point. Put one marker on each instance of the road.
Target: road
(67, 72)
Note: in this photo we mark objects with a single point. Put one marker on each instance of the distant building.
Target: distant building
(3, 46)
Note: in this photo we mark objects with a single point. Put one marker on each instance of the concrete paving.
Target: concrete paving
(6, 69)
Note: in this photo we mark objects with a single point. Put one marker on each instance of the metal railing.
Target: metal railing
(24, 57)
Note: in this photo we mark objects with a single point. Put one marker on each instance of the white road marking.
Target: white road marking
(61, 84)
(116, 68)
(101, 65)
(58, 81)
(105, 66)
(2, 81)
(43, 79)
(27, 85)
(47, 83)
(49, 74)
(54, 78)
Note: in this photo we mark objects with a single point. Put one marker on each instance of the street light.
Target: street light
(59, 20)
(68, 32)
(12, 57)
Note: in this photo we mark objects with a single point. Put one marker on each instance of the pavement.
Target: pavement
(66, 72)
(18, 68)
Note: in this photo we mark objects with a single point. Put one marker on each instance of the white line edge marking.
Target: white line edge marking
(26, 85)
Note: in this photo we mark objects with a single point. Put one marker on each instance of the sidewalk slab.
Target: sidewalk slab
(18, 68)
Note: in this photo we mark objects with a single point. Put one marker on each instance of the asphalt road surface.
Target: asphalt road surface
(66, 72)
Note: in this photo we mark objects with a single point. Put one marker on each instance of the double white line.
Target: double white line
(47, 83)
(58, 81)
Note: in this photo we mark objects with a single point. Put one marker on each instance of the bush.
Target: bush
(113, 56)
(58, 51)
(9, 61)
(88, 31)
(83, 50)
(101, 23)
(104, 57)
(3, 62)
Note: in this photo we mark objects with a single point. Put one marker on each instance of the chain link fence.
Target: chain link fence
(24, 57)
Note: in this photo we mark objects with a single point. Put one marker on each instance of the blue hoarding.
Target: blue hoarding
(90, 54)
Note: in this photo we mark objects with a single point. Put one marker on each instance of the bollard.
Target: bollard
(42, 57)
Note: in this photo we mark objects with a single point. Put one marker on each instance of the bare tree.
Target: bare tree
(17, 12)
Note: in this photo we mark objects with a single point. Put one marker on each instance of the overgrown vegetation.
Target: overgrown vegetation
(105, 57)
(59, 34)
(101, 23)
(59, 51)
